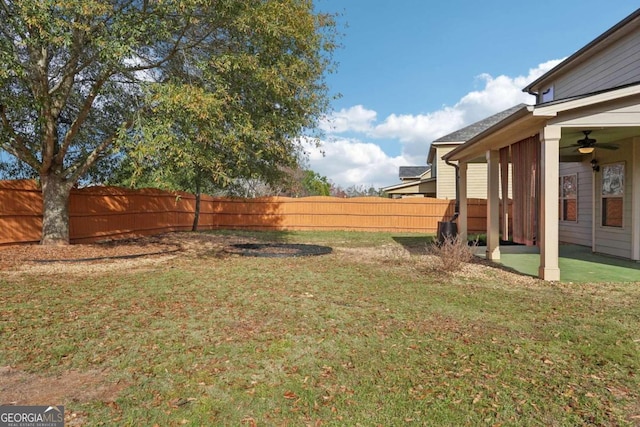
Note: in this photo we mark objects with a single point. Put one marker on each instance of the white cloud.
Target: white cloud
(354, 119)
(355, 161)
(348, 162)
(499, 93)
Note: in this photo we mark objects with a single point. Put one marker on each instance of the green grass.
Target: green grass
(332, 340)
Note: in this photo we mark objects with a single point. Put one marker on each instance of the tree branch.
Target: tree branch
(81, 117)
(18, 148)
(71, 67)
(177, 47)
(80, 168)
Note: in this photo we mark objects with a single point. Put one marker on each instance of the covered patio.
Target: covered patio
(577, 263)
(574, 158)
(538, 141)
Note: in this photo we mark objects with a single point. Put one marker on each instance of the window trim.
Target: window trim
(562, 197)
(612, 187)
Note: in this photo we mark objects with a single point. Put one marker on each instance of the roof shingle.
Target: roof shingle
(412, 171)
(468, 132)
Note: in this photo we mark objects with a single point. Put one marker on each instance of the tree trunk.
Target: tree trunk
(55, 210)
(196, 217)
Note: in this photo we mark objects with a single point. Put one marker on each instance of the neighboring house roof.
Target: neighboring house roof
(600, 43)
(408, 184)
(468, 132)
(415, 172)
(416, 187)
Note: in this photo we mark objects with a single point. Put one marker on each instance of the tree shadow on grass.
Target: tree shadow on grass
(279, 236)
(415, 245)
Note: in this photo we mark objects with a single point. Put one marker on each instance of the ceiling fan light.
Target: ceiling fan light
(586, 150)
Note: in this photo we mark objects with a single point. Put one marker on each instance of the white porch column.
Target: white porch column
(493, 205)
(464, 211)
(548, 217)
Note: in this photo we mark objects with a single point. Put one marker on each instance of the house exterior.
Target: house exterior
(589, 196)
(445, 174)
(439, 179)
(416, 182)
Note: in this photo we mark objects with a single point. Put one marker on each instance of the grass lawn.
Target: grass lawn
(368, 335)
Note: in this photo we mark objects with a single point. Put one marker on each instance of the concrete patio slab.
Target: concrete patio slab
(577, 264)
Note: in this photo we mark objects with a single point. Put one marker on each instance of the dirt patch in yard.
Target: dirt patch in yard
(113, 255)
(22, 388)
(152, 251)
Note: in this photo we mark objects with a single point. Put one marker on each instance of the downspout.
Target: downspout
(456, 212)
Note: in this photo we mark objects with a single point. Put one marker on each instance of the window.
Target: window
(547, 95)
(568, 205)
(612, 194)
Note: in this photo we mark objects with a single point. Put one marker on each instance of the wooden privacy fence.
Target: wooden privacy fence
(100, 213)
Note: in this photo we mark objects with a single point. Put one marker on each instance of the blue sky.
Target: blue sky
(411, 71)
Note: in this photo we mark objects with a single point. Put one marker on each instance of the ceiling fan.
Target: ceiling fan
(586, 145)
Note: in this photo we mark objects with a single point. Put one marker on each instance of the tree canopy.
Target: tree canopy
(216, 88)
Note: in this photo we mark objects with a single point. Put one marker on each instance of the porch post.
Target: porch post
(493, 205)
(464, 211)
(548, 222)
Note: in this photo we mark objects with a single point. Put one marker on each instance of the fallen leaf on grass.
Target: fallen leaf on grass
(290, 395)
(250, 422)
(617, 391)
(181, 401)
(326, 371)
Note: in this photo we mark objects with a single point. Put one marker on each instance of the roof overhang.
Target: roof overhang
(431, 157)
(552, 109)
(408, 184)
(530, 120)
(520, 125)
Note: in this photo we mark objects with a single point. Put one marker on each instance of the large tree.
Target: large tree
(215, 87)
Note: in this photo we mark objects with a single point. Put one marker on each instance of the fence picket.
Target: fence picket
(99, 213)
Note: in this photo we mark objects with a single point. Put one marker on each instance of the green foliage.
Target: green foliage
(315, 184)
(199, 89)
(238, 111)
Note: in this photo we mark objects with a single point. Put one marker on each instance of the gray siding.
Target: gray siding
(616, 66)
(579, 233)
(614, 240)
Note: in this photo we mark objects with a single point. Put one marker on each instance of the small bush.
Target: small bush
(453, 253)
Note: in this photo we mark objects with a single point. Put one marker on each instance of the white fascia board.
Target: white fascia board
(553, 109)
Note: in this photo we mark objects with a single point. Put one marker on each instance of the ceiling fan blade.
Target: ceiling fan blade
(607, 146)
(585, 142)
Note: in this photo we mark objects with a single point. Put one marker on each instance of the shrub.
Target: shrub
(453, 252)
